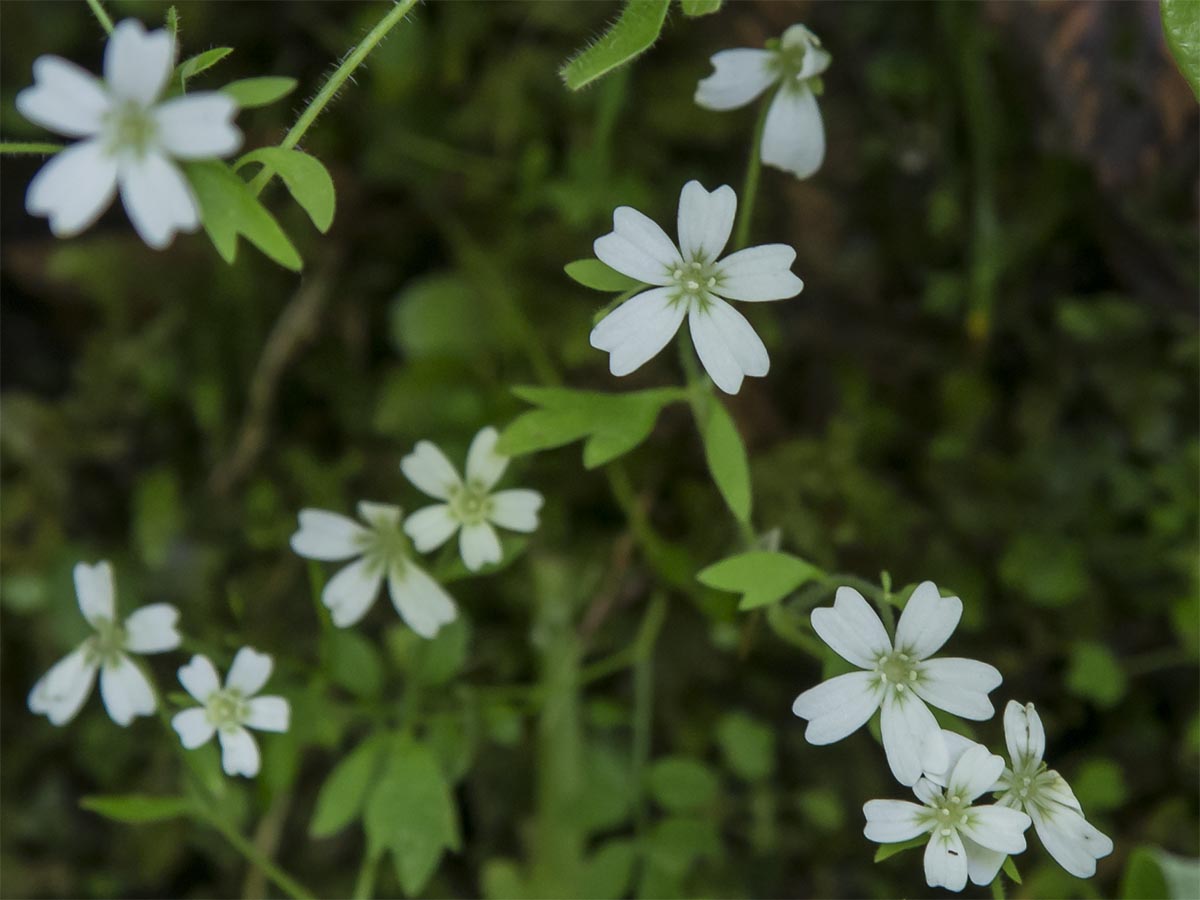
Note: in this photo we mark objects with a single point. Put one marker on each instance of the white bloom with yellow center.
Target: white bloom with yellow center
(61, 692)
(129, 139)
(469, 506)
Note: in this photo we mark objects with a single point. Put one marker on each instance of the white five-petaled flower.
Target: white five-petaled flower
(129, 139)
(957, 830)
(126, 692)
(382, 551)
(900, 678)
(691, 280)
(793, 135)
(228, 711)
(468, 503)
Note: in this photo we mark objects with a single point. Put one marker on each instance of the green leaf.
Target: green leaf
(608, 872)
(353, 662)
(613, 424)
(1181, 24)
(441, 315)
(441, 657)
(201, 62)
(747, 745)
(592, 273)
(228, 208)
(886, 851)
(676, 843)
(344, 793)
(137, 808)
(1010, 869)
(305, 177)
(1048, 568)
(760, 576)
(1100, 785)
(1095, 674)
(263, 91)
(1143, 878)
(680, 784)
(632, 34)
(699, 7)
(410, 812)
(726, 455)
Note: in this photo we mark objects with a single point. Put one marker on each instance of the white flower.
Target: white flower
(900, 679)
(126, 692)
(379, 550)
(470, 504)
(957, 830)
(793, 135)
(228, 711)
(130, 140)
(691, 281)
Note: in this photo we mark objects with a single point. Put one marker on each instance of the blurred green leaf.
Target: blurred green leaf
(726, 456)
(228, 208)
(344, 793)
(137, 808)
(761, 576)
(305, 177)
(700, 7)
(1143, 878)
(1100, 785)
(353, 662)
(592, 273)
(887, 851)
(441, 657)
(632, 34)
(676, 843)
(201, 62)
(1049, 569)
(747, 745)
(441, 315)
(157, 515)
(680, 784)
(1095, 674)
(608, 872)
(1181, 24)
(262, 91)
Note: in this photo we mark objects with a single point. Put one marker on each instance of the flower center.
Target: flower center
(470, 504)
(131, 128)
(227, 709)
(950, 813)
(694, 280)
(897, 670)
(107, 644)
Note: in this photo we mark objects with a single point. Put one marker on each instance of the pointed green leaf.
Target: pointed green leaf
(263, 91)
(137, 808)
(760, 576)
(201, 62)
(228, 208)
(727, 461)
(632, 34)
(887, 851)
(1010, 869)
(592, 273)
(1181, 24)
(699, 7)
(306, 179)
(345, 790)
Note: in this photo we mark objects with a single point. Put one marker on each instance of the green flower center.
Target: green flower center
(898, 671)
(470, 504)
(949, 813)
(227, 709)
(131, 128)
(107, 645)
(693, 280)
(386, 547)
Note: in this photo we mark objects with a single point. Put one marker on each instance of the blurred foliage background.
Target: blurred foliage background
(990, 381)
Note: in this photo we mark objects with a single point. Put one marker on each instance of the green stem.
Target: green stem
(741, 233)
(102, 17)
(334, 83)
(20, 148)
(255, 857)
(643, 703)
(364, 884)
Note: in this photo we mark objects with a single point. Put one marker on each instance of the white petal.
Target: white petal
(137, 64)
(479, 544)
(759, 274)
(484, 464)
(193, 727)
(927, 791)
(852, 628)
(715, 355)
(927, 622)
(839, 706)
(328, 536)
(637, 247)
(975, 772)
(794, 134)
(638, 329)
(956, 746)
(738, 77)
(705, 221)
(996, 828)
(516, 509)
(199, 678)
(269, 714)
(893, 821)
(64, 98)
(151, 629)
(157, 199)
(816, 60)
(95, 592)
(1053, 788)
(429, 470)
(199, 126)
(1074, 843)
(1024, 734)
(349, 594)
(959, 686)
(982, 864)
(126, 691)
(249, 672)
(421, 601)
(59, 694)
(912, 739)
(430, 527)
(239, 752)
(73, 188)
(728, 336)
(380, 515)
(946, 861)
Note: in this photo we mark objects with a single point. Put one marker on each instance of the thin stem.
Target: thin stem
(741, 234)
(16, 148)
(334, 83)
(364, 884)
(643, 703)
(254, 856)
(102, 17)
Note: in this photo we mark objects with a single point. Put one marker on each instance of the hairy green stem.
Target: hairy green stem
(334, 83)
(16, 148)
(741, 233)
(102, 17)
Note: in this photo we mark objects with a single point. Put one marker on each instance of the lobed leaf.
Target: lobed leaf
(305, 177)
(228, 208)
(632, 34)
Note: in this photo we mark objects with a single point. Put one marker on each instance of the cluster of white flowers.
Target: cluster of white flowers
(381, 549)
(946, 771)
